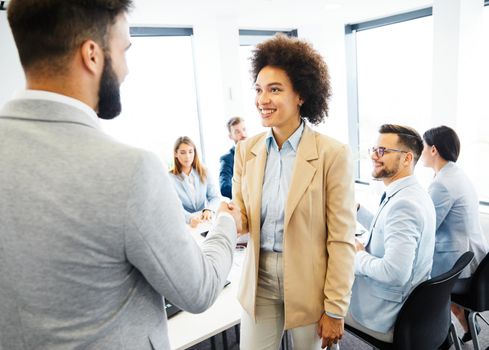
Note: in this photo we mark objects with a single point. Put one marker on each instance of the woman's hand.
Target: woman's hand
(330, 329)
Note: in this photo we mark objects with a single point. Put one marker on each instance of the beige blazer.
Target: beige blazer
(319, 226)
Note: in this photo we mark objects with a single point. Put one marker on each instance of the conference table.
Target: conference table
(186, 329)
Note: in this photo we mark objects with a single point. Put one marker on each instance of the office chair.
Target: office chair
(475, 298)
(425, 318)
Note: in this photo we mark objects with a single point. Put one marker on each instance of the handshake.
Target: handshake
(234, 210)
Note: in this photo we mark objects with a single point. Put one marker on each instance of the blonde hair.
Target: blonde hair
(196, 164)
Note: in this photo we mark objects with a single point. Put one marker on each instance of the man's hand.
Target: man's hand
(232, 209)
(330, 329)
(358, 246)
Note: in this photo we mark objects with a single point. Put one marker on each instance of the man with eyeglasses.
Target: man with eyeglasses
(397, 253)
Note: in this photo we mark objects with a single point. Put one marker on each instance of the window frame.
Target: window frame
(250, 37)
(352, 72)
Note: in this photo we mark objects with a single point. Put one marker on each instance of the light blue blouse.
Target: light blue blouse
(276, 183)
(205, 195)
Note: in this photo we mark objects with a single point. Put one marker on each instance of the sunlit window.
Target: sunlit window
(158, 96)
(480, 170)
(394, 65)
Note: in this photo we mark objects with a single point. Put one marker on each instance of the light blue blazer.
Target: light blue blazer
(399, 254)
(458, 227)
(206, 194)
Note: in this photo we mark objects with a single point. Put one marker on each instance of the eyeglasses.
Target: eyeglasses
(382, 150)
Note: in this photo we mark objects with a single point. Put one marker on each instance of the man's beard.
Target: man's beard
(109, 95)
(387, 172)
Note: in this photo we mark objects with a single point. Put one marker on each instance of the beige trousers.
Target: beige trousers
(266, 332)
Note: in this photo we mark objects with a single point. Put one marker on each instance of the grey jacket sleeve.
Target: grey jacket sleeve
(158, 244)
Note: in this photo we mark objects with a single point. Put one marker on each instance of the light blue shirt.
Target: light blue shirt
(276, 183)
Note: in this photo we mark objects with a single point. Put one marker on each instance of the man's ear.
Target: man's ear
(92, 56)
(409, 157)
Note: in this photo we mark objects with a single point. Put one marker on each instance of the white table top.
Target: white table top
(186, 329)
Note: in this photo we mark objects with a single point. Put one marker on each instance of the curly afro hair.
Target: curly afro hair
(305, 68)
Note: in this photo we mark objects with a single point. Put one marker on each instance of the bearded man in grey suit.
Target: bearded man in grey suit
(92, 234)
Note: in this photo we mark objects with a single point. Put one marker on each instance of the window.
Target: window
(391, 80)
(159, 100)
(480, 169)
(248, 40)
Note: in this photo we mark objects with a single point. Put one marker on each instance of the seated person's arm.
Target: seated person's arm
(401, 235)
(442, 200)
(364, 216)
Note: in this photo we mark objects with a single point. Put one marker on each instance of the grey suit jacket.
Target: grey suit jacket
(92, 235)
(458, 227)
(398, 256)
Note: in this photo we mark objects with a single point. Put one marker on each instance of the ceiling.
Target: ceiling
(273, 11)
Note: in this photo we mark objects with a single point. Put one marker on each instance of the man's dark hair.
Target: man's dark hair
(305, 68)
(233, 121)
(47, 32)
(445, 140)
(408, 137)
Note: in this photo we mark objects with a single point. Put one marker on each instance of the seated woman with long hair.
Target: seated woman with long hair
(192, 182)
(458, 227)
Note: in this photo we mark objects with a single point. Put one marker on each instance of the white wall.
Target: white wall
(11, 74)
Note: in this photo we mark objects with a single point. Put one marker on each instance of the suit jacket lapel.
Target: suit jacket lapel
(255, 170)
(389, 194)
(303, 172)
(374, 222)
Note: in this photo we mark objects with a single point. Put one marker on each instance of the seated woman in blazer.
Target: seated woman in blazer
(192, 182)
(458, 227)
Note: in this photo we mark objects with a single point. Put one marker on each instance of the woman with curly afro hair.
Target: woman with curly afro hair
(295, 190)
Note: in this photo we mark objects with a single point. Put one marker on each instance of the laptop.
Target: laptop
(171, 310)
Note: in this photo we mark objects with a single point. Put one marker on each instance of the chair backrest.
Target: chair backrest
(479, 286)
(424, 319)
